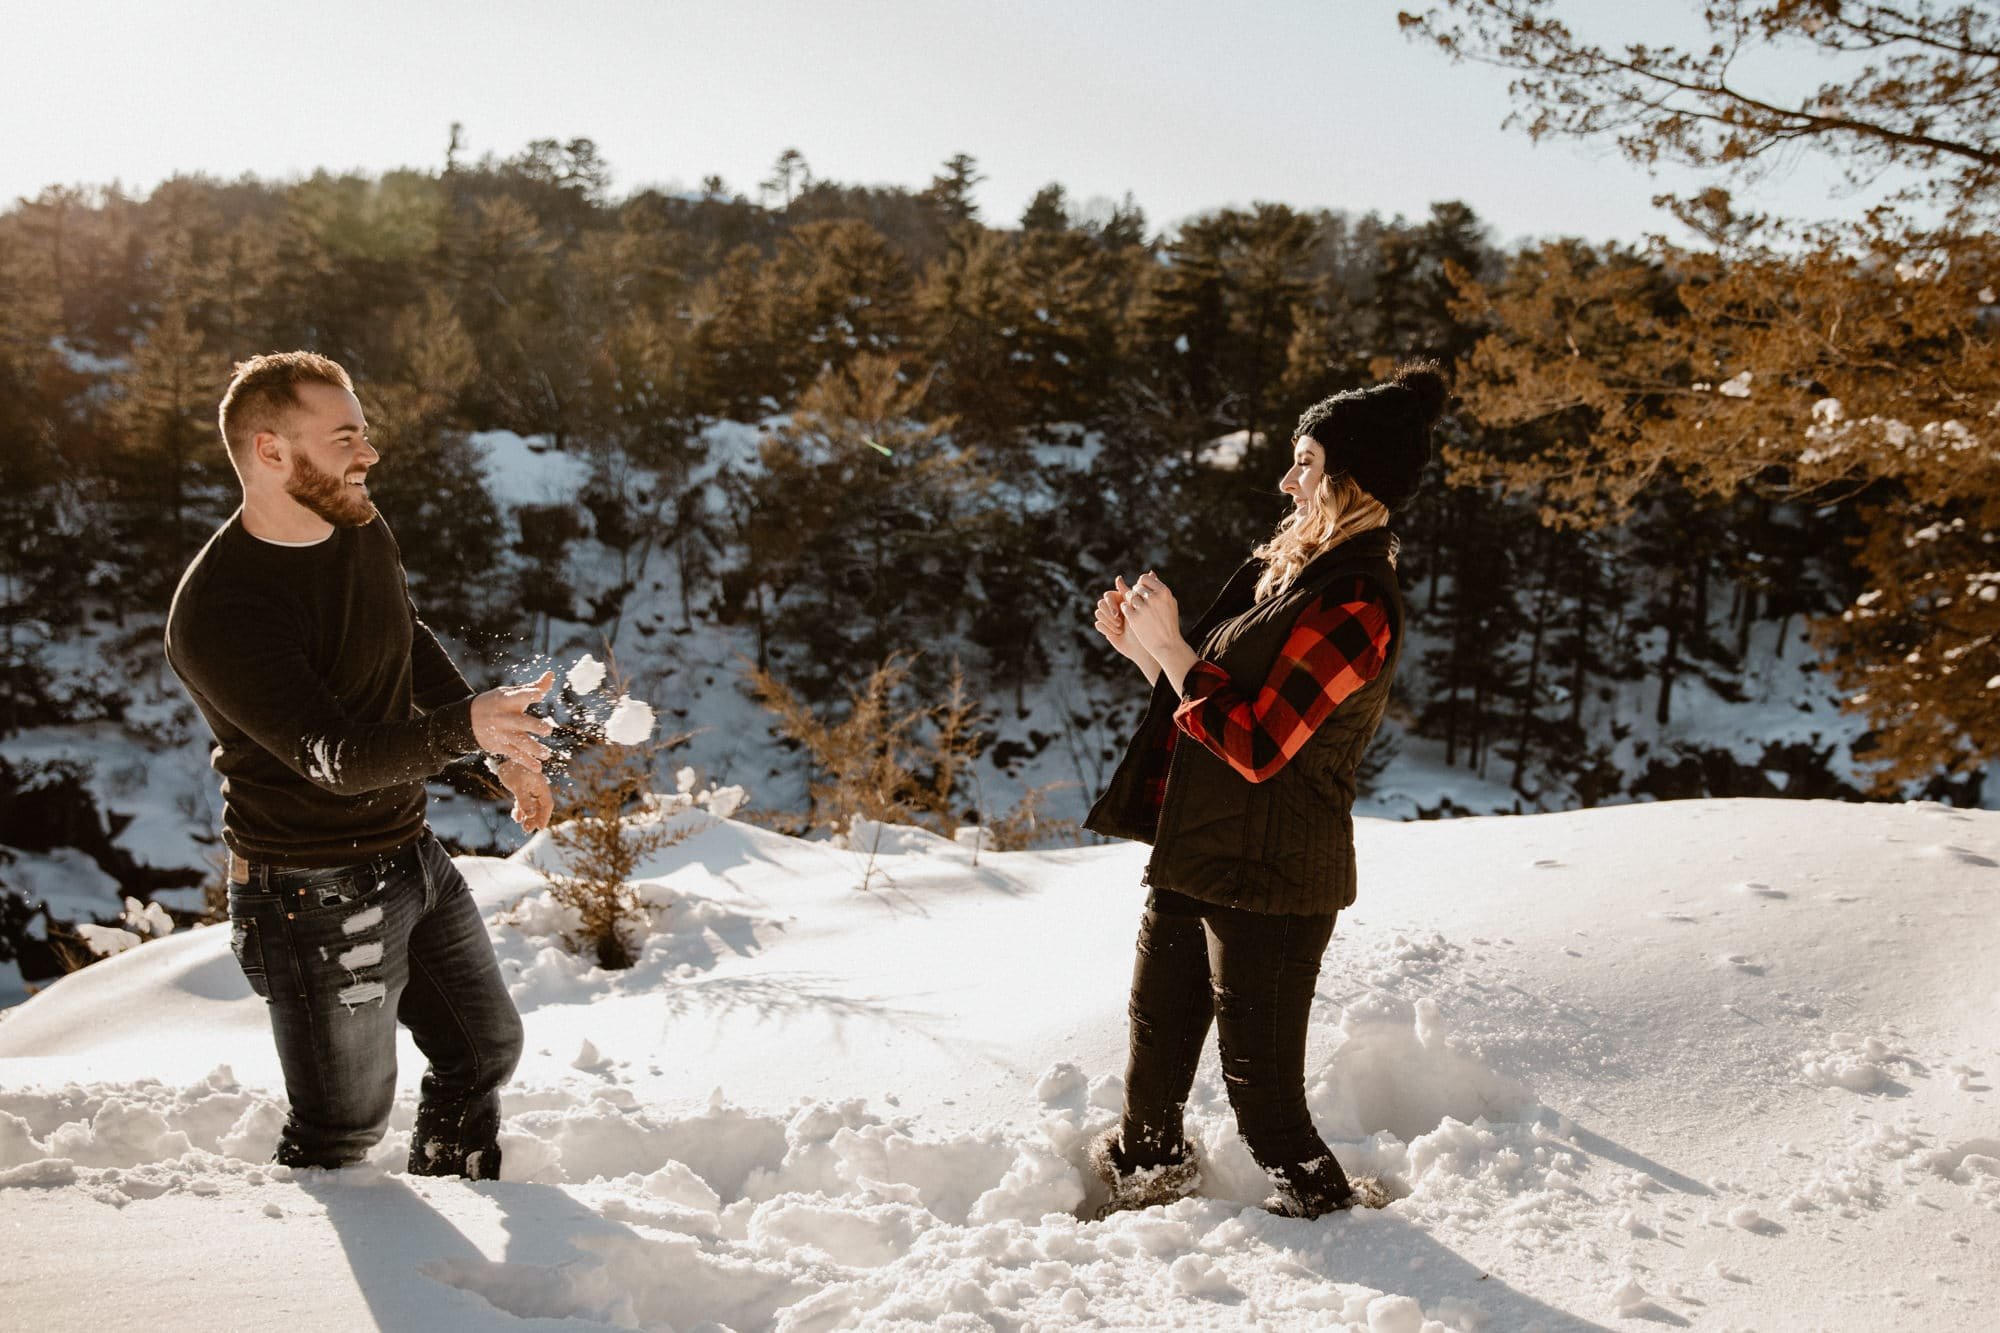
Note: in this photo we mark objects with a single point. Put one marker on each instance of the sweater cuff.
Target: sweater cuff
(1202, 680)
(451, 731)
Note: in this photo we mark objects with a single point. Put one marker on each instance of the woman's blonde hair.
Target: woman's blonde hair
(1339, 510)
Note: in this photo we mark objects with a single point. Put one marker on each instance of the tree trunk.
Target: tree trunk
(1668, 660)
(1437, 563)
(1481, 676)
(1451, 697)
(1529, 690)
(1579, 679)
(1701, 593)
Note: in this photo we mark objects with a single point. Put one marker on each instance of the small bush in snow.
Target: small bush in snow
(887, 761)
(612, 821)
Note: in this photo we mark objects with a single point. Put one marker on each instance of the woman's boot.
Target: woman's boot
(1133, 1186)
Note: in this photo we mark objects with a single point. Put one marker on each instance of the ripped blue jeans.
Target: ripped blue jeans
(342, 955)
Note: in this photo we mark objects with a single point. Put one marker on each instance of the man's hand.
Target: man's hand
(532, 801)
(502, 724)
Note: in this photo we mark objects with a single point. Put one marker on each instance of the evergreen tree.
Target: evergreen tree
(858, 533)
(1047, 211)
(951, 189)
(173, 471)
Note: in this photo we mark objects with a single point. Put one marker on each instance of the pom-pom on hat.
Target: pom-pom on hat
(1381, 435)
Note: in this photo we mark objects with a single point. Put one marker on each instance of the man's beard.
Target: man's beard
(329, 496)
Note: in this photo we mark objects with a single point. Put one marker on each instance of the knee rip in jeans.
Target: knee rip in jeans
(363, 961)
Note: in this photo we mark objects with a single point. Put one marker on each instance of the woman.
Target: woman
(1241, 775)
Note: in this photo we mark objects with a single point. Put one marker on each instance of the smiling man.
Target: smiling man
(331, 703)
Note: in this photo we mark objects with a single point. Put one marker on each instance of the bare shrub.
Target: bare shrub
(1026, 825)
(886, 761)
(609, 823)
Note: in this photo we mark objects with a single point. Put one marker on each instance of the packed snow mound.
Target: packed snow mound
(1714, 1064)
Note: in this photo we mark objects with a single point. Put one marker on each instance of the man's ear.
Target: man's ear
(270, 450)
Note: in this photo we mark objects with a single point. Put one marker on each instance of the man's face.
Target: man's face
(331, 456)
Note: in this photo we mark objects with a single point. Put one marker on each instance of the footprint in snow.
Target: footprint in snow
(1761, 890)
(1745, 963)
(1546, 863)
(1681, 917)
(1963, 855)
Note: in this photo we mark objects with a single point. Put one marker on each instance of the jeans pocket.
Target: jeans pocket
(245, 943)
(348, 887)
(441, 878)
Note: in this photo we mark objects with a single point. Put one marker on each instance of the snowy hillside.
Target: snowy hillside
(120, 764)
(1720, 1065)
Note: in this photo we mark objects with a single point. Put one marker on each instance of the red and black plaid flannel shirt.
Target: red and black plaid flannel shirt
(1335, 648)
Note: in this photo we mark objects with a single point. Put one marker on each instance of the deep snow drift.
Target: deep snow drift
(1716, 1064)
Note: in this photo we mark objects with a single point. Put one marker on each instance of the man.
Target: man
(331, 703)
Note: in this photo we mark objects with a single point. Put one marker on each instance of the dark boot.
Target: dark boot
(1310, 1199)
(1141, 1186)
(454, 1140)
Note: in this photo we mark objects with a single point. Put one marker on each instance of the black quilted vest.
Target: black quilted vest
(1281, 846)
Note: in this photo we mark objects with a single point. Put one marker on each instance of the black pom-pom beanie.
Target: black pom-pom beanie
(1381, 435)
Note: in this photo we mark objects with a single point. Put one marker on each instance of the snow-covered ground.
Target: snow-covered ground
(1722, 1065)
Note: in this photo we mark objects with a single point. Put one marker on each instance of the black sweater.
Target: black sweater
(330, 702)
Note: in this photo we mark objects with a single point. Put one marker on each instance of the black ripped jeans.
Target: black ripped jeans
(342, 956)
(1252, 975)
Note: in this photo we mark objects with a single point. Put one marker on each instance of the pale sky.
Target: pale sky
(1187, 106)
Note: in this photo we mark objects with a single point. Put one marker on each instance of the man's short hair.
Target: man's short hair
(265, 389)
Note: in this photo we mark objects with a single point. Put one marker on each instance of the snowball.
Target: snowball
(1628, 1297)
(723, 802)
(147, 918)
(586, 675)
(106, 940)
(586, 1056)
(631, 721)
